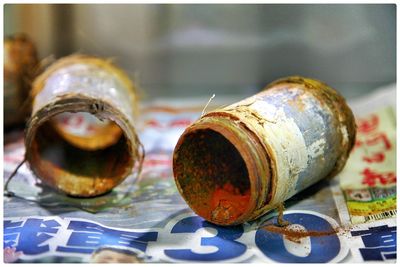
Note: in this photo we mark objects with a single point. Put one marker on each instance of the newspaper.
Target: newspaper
(146, 220)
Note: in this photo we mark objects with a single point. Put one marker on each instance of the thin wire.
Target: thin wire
(6, 192)
(209, 101)
(12, 194)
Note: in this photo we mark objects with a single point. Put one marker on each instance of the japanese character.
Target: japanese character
(380, 243)
(377, 157)
(87, 236)
(31, 235)
(381, 136)
(371, 177)
(10, 237)
(367, 125)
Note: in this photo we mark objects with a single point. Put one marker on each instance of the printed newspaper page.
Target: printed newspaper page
(146, 220)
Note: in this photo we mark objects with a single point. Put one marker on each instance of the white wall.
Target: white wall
(204, 49)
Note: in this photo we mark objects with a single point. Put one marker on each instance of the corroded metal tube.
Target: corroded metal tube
(236, 163)
(87, 163)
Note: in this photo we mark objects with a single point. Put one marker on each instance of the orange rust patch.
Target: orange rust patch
(228, 203)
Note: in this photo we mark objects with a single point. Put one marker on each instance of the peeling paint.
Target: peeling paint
(316, 149)
(291, 135)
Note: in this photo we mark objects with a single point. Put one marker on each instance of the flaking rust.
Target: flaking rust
(92, 162)
(237, 163)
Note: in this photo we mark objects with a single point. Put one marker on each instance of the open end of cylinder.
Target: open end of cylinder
(80, 165)
(212, 176)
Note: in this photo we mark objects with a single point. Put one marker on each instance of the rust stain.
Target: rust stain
(296, 235)
(83, 166)
(281, 221)
(227, 203)
(215, 199)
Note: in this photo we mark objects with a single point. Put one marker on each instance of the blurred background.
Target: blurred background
(177, 50)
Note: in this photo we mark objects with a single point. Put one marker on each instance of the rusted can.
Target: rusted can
(81, 138)
(237, 163)
(20, 67)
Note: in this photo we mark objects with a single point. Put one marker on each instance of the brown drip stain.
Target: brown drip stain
(296, 235)
(282, 222)
(292, 234)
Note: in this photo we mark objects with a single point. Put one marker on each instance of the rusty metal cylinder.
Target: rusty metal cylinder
(90, 161)
(236, 163)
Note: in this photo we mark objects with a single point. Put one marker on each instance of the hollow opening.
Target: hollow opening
(85, 130)
(79, 164)
(212, 176)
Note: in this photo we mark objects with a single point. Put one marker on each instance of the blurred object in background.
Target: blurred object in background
(20, 67)
(195, 50)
